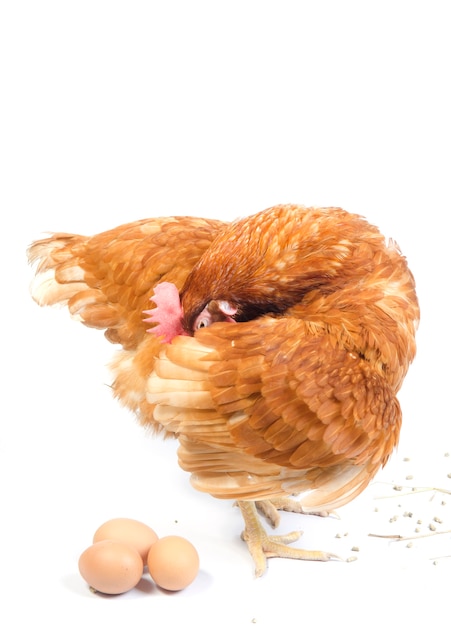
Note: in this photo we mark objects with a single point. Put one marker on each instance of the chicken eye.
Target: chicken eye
(203, 323)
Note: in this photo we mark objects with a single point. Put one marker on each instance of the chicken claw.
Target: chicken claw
(262, 546)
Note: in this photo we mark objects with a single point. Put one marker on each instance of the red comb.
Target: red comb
(168, 313)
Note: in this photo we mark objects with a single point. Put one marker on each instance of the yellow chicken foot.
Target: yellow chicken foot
(270, 509)
(262, 546)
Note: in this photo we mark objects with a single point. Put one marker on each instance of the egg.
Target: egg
(111, 566)
(173, 563)
(128, 531)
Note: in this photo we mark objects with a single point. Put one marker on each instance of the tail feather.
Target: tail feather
(47, 291)
(59, 276)
(54, 251)
(61, 280)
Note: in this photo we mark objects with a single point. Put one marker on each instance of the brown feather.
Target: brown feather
(299, 396)
(313, 383)
(106, 282)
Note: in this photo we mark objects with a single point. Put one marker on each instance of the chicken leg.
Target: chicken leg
(262, 546)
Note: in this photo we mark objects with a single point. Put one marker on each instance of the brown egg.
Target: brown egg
(129, 531)
(173, 563)
(111, 566)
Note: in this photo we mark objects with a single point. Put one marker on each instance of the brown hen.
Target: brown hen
(276, 347)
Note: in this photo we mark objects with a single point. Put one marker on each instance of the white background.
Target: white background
(114, 111)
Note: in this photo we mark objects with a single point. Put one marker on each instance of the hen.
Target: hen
(272, 349)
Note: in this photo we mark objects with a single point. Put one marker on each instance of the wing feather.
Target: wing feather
(334, 411)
